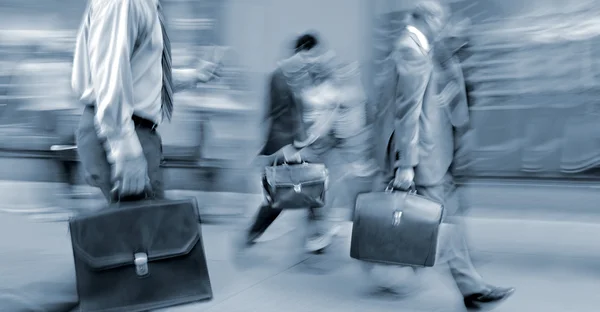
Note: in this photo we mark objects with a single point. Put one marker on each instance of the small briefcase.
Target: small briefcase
(140, 256)
(296, 186)
(396, 228)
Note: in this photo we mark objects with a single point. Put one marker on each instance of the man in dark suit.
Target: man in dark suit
(416, 134)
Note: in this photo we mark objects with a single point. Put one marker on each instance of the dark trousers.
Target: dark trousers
(267, 215)
(69, 169)
(92, 155)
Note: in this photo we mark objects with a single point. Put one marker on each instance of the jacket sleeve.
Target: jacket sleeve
(414, 71)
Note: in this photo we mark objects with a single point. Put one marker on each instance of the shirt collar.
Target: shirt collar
(421, 38)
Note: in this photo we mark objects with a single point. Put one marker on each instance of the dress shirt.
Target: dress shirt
(117, 67)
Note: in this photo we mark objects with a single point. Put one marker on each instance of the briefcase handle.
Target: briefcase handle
(116, 198)
(283, 162)
(412, 189)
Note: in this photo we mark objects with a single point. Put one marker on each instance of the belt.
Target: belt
(143, 123)
(138, 122)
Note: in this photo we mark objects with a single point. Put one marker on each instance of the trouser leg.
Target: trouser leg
(264, 218)
(453, 246)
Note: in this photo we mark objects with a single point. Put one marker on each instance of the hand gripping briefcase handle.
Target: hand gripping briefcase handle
(116, 197)
(412, 189)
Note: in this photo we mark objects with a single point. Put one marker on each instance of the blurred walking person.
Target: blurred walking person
(421, 106)
(313, 94)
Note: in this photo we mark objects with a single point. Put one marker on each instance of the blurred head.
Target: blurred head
(306, 42)
(430, 17)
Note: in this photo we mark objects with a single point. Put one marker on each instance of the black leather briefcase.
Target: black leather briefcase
(140, 256)
(296, 186)
(396, 228)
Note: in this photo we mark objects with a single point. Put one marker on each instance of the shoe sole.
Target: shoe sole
(489, 306)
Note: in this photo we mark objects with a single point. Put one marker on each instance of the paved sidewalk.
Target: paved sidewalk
(273, 277)
(503, 218)
(551, 258)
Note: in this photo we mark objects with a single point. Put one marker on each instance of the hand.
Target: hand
(130, 177)
(291, 155)
(403, 179)
(206, 71)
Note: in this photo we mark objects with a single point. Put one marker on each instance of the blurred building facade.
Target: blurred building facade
(532, 77)
(528, 119)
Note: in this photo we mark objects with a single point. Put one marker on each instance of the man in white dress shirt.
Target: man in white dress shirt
(122, 74)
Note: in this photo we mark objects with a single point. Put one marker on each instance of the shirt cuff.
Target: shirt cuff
(123, 145)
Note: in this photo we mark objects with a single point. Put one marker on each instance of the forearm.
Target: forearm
(406, 143)
(184, 79)
(409, 105)
(407, 124)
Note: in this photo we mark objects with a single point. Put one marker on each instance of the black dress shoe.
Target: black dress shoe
(252, 237)
(489, 299)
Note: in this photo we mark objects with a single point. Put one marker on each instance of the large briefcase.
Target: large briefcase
(396, 228)
(140, 256)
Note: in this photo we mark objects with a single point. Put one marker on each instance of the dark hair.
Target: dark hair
(306, 42)
(426, 9)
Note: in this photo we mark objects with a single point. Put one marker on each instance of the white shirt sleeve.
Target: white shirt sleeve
(113, 31)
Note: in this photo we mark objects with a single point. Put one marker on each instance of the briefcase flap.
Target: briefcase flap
(160, 229)
(295, 174)
(378, 206)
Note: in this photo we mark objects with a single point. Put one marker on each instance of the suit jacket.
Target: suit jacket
(284, 110)
(416, 128)
(282, 114)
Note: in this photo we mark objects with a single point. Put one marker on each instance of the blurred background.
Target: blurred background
(531, 70)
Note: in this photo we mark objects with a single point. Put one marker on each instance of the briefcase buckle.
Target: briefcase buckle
(141, 263)
(298, 188)
(397, 217)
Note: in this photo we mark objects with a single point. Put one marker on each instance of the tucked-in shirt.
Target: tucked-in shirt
(117, 67)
